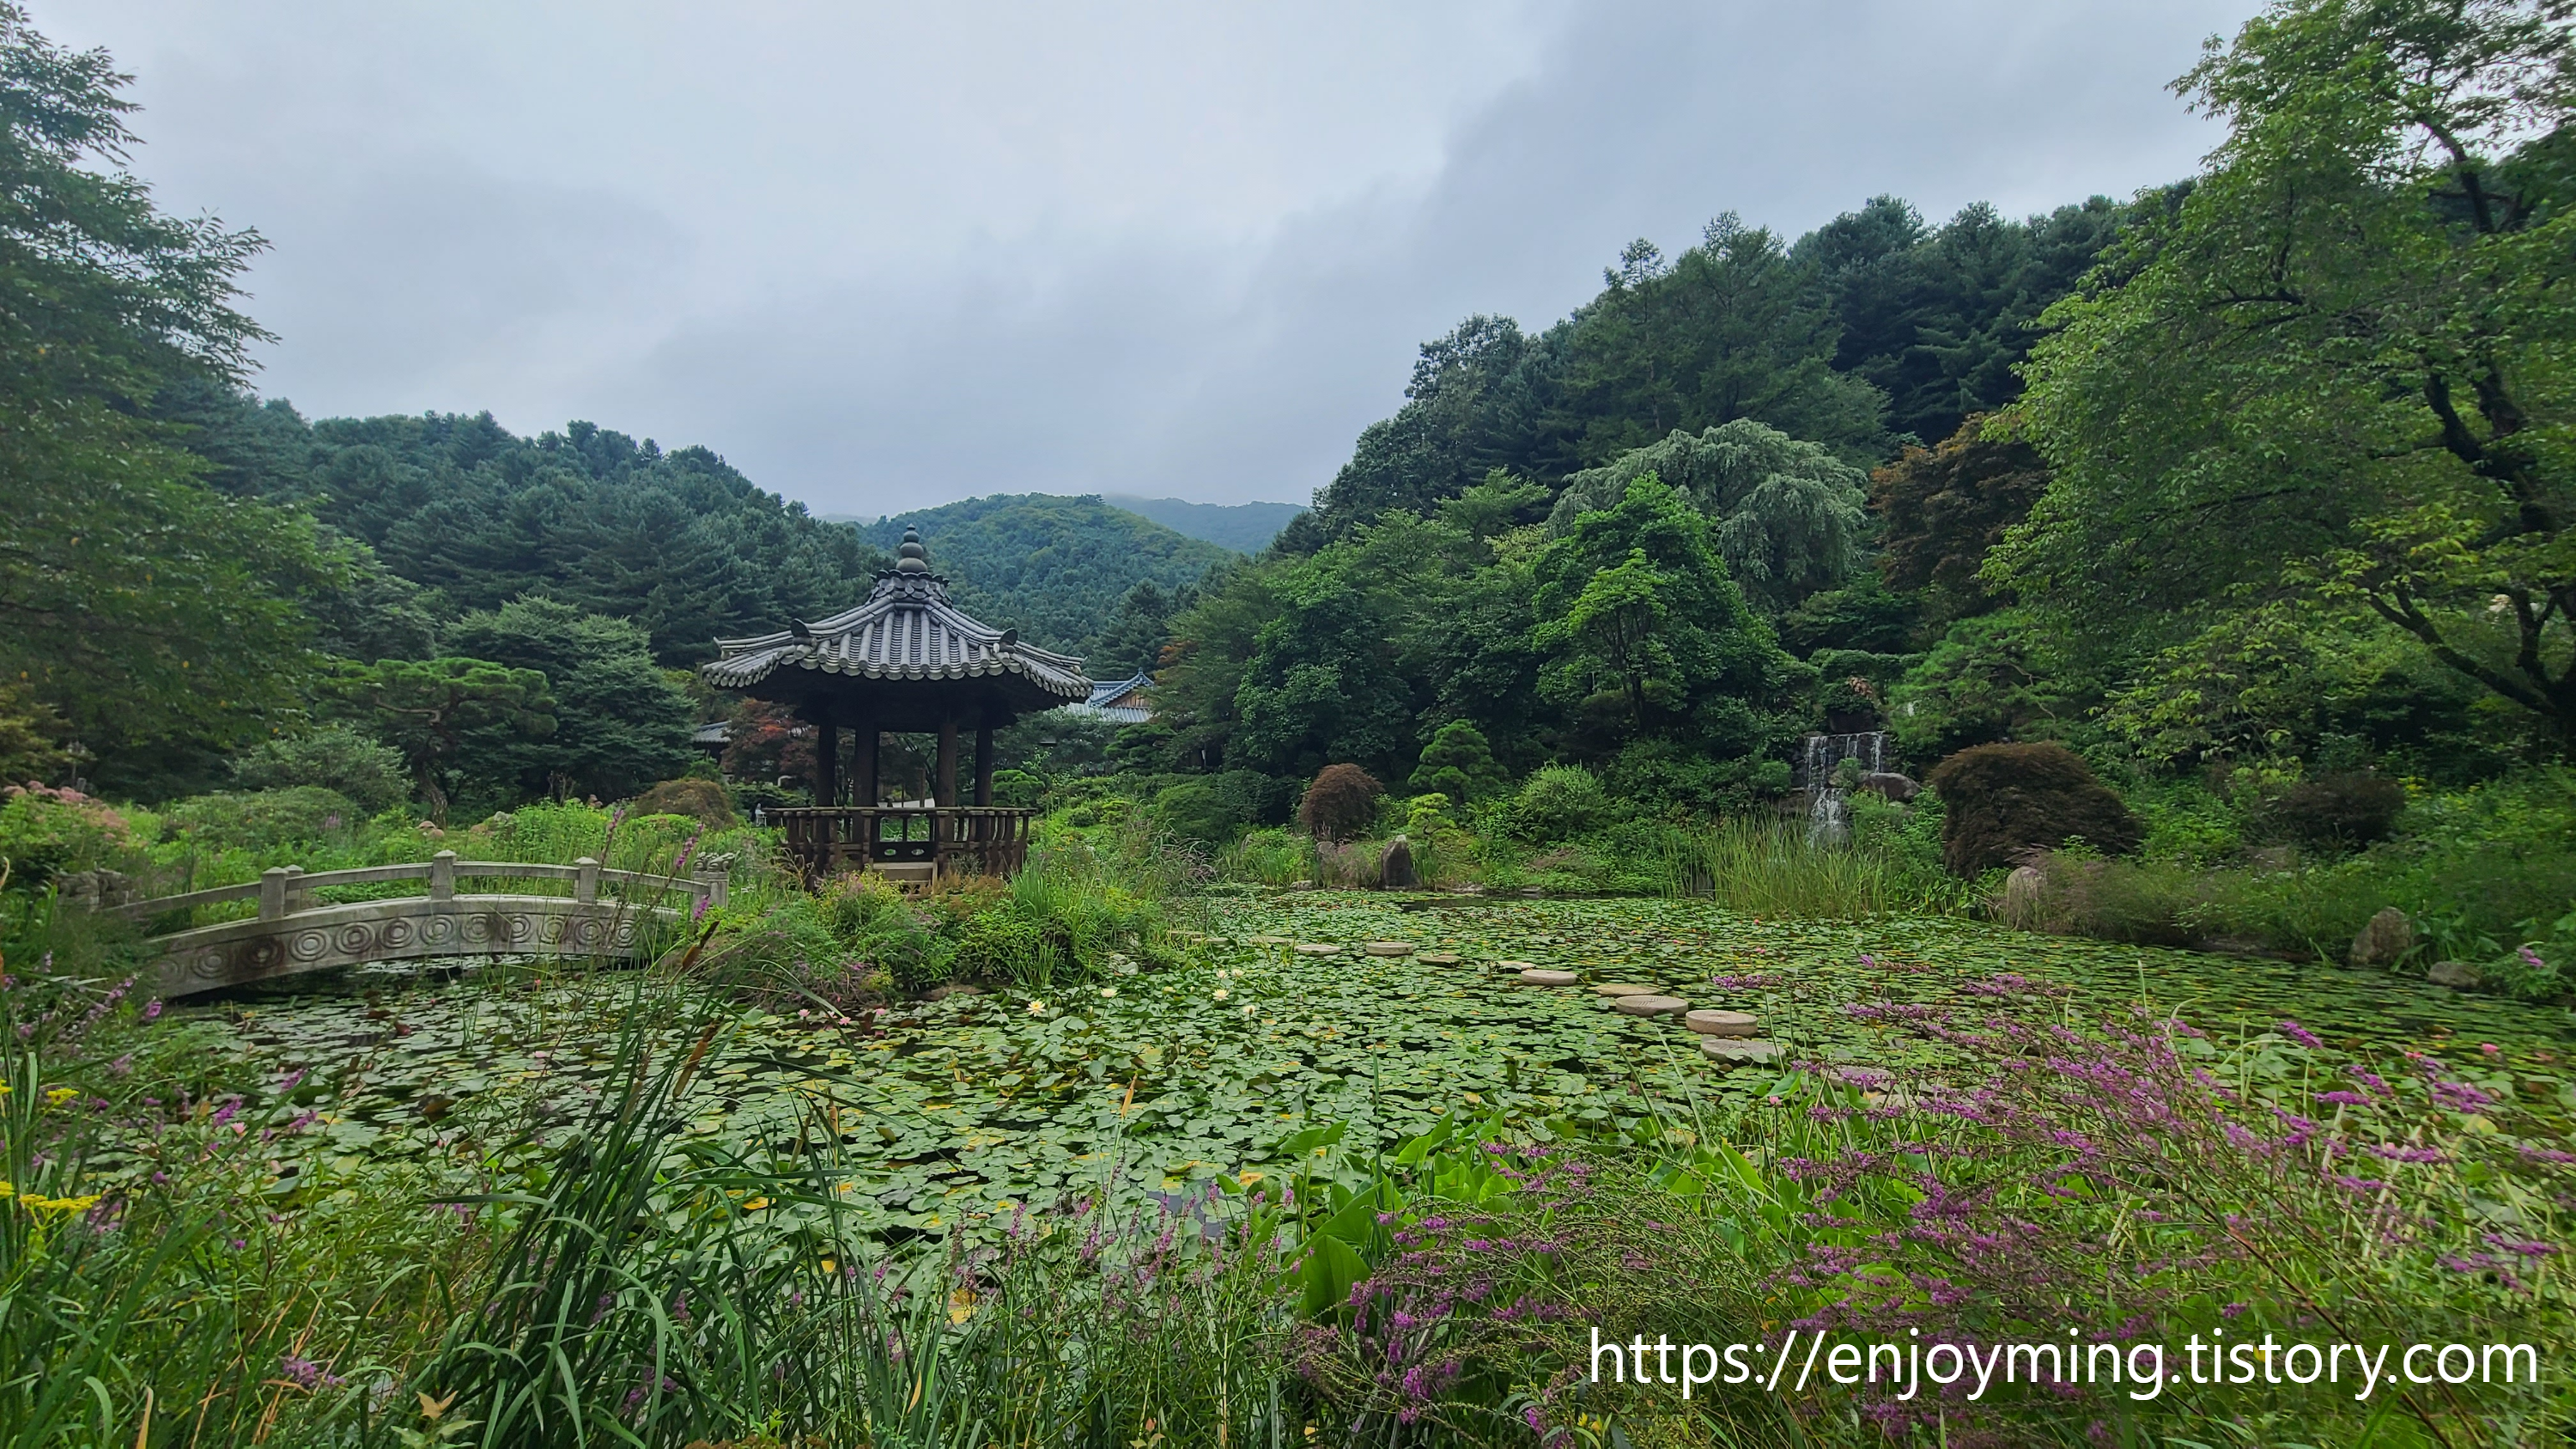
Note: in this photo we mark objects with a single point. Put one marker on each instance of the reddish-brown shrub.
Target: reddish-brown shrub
(2339, 810)
(1341, 803)
(2001, 801)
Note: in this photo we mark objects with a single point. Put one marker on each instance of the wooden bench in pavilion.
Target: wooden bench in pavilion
(905, 661)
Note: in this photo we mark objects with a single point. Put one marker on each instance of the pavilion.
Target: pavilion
(908, 661)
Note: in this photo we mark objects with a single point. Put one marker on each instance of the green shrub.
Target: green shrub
(44, 833)
(872, 921)
(704, 801)
(1000, 945)
(2184, 821)
(2002, 801)
(1458, 762)
(1088, 904)
(1271, 856)
(334, 757)
(1017, 789)
(1558, 802)
(2526, 974)
(1201, 810)
(263, 820)
(1425, 816)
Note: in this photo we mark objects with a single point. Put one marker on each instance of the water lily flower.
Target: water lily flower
(1037, 1008)
(2490, 1048)
(1220, 993)
(1109, 991)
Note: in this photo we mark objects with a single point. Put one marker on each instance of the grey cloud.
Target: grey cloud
(1165, 372)
(878, 306)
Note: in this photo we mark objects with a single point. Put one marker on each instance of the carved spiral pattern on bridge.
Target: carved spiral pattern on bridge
(245, 951)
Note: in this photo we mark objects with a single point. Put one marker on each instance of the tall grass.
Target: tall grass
(1770, 868)
(162, 1280)
(1270, 856)
(661, 1290)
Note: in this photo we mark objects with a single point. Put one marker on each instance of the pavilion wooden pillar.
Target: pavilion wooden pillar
(827, 754)
(984, 761)
(863, 763)
(946, 785)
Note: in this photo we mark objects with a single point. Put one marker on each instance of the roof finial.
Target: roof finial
(912, 558)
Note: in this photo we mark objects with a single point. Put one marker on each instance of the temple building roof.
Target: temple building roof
(907, 632)
(1124, 700)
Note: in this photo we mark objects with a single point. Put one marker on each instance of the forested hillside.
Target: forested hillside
(1873, 330)
(473, 516)
(1054, 568)
(2286, 493)
(2277, 502)
(1243, 527)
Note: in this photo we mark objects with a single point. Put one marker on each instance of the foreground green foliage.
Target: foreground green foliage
(1194, 1195)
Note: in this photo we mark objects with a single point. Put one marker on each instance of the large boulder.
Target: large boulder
(2385, 940)
(2002, 802)
(1900, 788)
(1395, 867)
(2017, 904)
(2457, 975)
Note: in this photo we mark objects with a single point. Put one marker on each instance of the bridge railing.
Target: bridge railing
(286, 889)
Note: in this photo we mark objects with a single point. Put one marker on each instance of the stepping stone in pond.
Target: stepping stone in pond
(1516, 966)
(1536, 976)
(1651, 1005)
(1740, 1051)
(1318, 948)
(1439, 958)
(1721, 1023)
(1389, 948)
(1267, 940)
(1624, 988)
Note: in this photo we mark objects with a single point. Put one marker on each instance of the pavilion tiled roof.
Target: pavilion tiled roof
(906, 630)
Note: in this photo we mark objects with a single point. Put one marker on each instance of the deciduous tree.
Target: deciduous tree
(2339, 367)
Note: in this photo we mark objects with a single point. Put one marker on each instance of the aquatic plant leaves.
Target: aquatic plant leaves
(1250, 1058)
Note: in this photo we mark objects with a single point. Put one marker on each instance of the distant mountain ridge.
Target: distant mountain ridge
(1243, 527)
(1052, 567)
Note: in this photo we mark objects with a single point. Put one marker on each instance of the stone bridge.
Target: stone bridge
(293, 933)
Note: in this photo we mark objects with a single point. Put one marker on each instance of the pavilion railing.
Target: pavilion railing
(950, 839)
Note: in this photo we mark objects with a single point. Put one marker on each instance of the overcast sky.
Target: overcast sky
(887, 256)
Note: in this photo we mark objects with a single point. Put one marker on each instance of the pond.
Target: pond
(967, 1110)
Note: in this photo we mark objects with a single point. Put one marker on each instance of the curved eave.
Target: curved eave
(744, 671)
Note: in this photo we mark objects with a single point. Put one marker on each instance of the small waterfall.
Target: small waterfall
(1828, 816)
(1823, 752)
(1829, 805)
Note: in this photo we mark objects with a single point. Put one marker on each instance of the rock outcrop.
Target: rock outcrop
(2385, 941)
